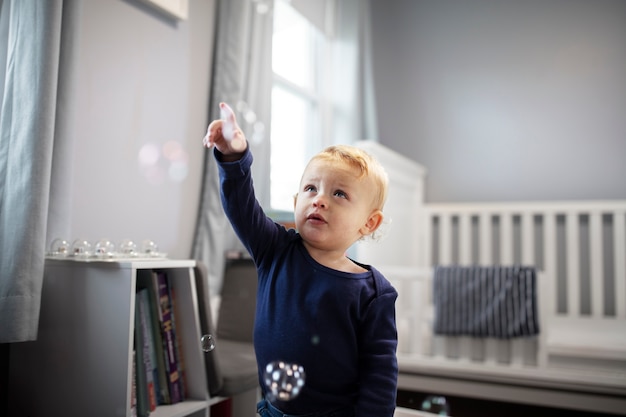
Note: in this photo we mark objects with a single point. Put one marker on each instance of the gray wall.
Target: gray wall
(142, 79)
(505, 100)
(500, 100)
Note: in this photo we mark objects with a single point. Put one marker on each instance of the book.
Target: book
(143, 407)
(149, 356)
(147, 279)
(179, 351)
(169, 338)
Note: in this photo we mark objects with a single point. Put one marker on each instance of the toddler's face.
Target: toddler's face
(334, 206)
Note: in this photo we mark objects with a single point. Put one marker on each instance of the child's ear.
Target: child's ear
(295, 200)
(373, 222)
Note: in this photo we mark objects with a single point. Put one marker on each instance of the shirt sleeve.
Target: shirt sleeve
(256, 231)
(377, 357)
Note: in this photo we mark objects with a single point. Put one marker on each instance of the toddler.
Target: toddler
(316, 307)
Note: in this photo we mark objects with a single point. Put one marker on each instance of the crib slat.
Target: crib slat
(547, 285)
(619, 258)
(517, 352)
(465, 348)
(439, 343)
(486, 258)
(485, 239)
(528, 239)
(420, 292)
(427, 242)
(596, 266)
(465, 239)
(445, 239)
(573, 267)
(549, 263)
(506, 239)
(465, 258)
(491, 351)
(427, 325)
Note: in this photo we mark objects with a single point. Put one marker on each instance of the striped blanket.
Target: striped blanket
(485, 301)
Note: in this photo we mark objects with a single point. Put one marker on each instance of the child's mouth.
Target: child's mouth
(316, 218)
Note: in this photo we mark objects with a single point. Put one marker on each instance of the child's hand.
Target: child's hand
(225, 133)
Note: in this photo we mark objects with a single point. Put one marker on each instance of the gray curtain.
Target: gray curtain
(35, 50)
(242, 77)
(242, 73)
(354, 102)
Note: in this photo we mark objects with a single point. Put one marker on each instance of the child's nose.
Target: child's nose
(319, 201)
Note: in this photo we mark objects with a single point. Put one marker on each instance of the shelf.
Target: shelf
(82, 359)
(185, 408)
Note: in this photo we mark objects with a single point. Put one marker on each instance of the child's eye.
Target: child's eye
(310, 188)
(341, 194)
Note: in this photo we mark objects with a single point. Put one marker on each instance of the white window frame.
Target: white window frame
(318, 133)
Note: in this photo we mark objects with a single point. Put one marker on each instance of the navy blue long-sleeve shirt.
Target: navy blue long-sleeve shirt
(339, 326)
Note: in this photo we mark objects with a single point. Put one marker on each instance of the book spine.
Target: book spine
(149, 281)
(148, 347)
(169, 338)
(143, 407)
(179, 352)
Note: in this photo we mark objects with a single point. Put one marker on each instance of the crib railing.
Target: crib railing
(581, 246)
(579, 250)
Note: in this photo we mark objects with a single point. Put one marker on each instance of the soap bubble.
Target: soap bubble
(255, 129)
(258, 132)
(284, 381)
(436, 404)
(262, 7)
(207, 342)
(159, 162)
(149, 155)
(178, 170)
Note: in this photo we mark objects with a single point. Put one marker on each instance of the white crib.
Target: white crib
(578, 361)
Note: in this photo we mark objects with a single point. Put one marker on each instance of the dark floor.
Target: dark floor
(469, 407)
(458, 406)
(4, 377)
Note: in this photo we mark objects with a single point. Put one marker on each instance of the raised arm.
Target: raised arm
(255, 230)
(226, 135)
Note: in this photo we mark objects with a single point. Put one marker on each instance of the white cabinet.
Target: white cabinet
(81, 363)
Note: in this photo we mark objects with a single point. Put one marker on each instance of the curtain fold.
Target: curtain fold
(30, 50)
(354, 98)
(242, 77)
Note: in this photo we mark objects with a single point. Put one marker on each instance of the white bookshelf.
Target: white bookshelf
(81, 363)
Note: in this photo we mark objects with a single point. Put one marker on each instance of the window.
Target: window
(298, 101)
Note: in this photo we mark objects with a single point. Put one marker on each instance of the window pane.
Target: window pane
(297, 95)
(293, 46)
(291, 119)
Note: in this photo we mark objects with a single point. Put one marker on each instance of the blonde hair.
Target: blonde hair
(364, 163)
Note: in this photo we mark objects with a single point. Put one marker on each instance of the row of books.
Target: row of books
(158, 377)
